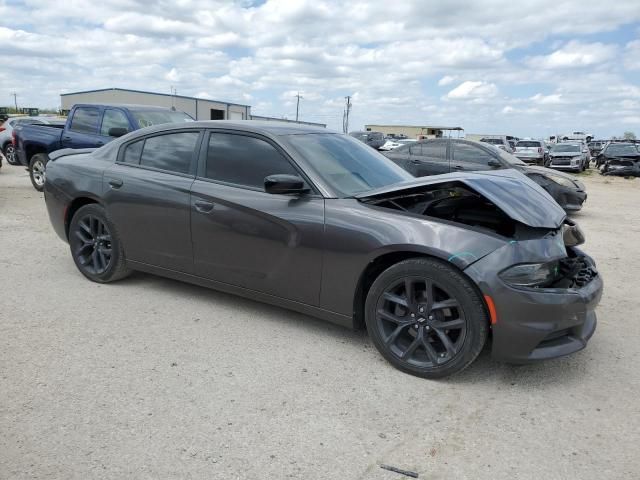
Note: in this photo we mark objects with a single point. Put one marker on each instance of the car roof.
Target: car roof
(255, 126)
(128, 106)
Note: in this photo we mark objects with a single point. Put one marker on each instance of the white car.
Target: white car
(395, 143)
(586, 137)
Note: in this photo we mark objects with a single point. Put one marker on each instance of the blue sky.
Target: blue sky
(489, 66)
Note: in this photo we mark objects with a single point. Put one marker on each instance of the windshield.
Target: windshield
(528, 144)
(157, 117)
(565, 147)
(347, 165)
(621, 150)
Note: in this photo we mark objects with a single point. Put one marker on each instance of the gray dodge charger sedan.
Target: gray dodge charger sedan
(320, 223)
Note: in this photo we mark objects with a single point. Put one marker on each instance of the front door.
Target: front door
(147, 193)
(246, 237)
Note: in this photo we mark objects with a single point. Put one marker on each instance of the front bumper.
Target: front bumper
(536, 324)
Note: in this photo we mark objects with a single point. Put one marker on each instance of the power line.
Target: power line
(298, 96)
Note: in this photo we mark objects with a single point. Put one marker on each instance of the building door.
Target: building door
(217, 114)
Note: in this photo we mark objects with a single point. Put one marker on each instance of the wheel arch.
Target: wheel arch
(32, 150)
(75, 205)
(385, 260)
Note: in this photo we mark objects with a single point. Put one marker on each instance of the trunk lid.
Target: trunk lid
(517, 196)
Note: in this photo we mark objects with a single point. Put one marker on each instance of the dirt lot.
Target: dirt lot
(151, 378)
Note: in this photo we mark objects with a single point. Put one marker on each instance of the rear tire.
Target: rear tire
(426, 318)
(37, 166)
(9, 152)
(95, 245)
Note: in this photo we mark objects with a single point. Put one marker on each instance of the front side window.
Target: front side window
(173, 151)
(113, 119)
(466, 153)
(85, 120)
(244, 160)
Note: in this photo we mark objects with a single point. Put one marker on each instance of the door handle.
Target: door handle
(202, 206)
(415, 162)
(99, 144)
(115, 183)
(66, 138)
(458, 167)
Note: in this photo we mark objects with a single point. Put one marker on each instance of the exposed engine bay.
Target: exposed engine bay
(454, 202)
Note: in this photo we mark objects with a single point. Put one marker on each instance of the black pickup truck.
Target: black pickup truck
(88, 126)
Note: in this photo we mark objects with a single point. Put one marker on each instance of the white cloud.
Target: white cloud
(553, 99)
(575, 55)
(473, 90)
(446, 80)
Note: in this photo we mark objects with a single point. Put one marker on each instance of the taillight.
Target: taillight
(13, 138)
(2, 129)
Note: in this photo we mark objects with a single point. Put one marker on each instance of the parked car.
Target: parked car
(393, 144)
(88, 125)
(500, 142)
(373, 139)
(621, 159)
(586, 137)
(317, 222)
(569, 156)
(6, 131)
(532, 151)
(434, 157)
(596, 147)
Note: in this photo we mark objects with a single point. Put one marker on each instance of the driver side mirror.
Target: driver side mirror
(494, 164)
(283, 184)
(117, 132)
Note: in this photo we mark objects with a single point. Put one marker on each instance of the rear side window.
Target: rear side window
(173, 151)
(113, 119)
(132, 152)
(466, 153)
(85, 120)
(244, 160)
(436, 150)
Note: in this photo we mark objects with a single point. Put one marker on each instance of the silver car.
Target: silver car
(531, 151)
(500, 142)
(569, 156)
(6, 130)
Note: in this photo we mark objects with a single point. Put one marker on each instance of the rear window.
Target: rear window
(158, 117)
(526, 143)
(493, 141)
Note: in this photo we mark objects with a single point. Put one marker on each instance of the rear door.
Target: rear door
(147, 192)
(82, 130)
(468, 157)
(428, 158)
(246, 237)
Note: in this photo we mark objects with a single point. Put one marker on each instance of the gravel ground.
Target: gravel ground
(152, 378)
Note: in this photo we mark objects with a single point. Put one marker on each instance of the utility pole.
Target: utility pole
(298, 96)
(345, 116)
(15, 100)
(173, 94)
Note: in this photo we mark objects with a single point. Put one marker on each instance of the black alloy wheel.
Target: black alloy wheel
(426, 317)
(95, 245)
(94, 248)
(422, 323)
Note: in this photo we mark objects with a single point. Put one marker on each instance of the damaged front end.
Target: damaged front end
(621, 167)
(543, 287)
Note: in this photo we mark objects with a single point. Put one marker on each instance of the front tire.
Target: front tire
(37, 166)
(426, 318)
(95, 245)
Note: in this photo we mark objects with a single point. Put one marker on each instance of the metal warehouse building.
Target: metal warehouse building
(198, 108)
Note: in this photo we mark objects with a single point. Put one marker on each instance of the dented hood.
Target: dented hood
(520, 198)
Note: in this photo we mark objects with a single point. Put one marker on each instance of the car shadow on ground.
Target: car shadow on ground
(483, 370)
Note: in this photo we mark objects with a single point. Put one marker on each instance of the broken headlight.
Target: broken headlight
(531, 274)
(572, 234)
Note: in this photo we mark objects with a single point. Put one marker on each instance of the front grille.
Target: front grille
(561, 160)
